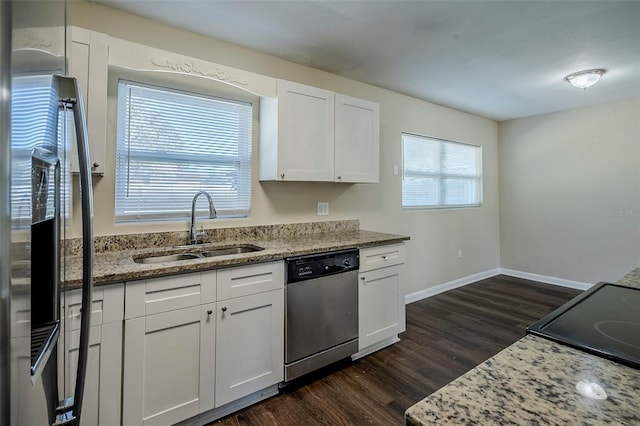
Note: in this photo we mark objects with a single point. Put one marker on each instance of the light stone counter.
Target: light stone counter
(114, 257)
(632, 279)
(537, 381)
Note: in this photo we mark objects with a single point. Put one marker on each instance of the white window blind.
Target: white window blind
(439, 173)
(34, 107)
(173, 144)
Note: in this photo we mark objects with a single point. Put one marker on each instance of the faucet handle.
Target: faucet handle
(200, 235)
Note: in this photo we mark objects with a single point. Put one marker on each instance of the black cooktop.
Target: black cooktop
(604, 320)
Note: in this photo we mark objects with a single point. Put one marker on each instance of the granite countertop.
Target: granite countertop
(112, 266)
(537, 381)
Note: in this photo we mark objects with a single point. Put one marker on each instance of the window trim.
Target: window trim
(442, 176)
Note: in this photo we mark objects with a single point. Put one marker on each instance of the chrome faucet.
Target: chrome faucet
(198, 236)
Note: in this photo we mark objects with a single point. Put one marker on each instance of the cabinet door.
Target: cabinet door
(357, 140)
(249, 345)
(381, 305)
(101, 402)
(305, 133)
(88, 63)
(168, 359)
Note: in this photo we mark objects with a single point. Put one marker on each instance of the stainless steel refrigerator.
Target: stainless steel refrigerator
(41, 115)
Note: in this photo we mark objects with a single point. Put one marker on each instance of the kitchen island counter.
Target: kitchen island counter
(537, 381)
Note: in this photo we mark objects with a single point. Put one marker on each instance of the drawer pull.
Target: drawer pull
(384, 257)
(209, 312)
(224, 309)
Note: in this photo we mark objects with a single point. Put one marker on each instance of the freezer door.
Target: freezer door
(32, 50)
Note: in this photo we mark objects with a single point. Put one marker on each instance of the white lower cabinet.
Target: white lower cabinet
(169, 348)
(381, 308)
(102, 392)
(186, 354)
(168, 374)
(381, 313)
(250, 345)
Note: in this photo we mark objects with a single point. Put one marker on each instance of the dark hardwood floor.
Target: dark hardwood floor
(446, 336)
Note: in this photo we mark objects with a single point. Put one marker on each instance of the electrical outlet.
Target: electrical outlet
(323, 208)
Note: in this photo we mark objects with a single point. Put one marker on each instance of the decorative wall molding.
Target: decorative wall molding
(189, 67)
(137, 57)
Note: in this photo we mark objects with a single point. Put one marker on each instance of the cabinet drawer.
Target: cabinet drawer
(381, 256)
(168, 293)
(252, 279)
(107, 306)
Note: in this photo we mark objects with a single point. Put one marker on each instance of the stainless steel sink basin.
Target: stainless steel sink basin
(231, 250)
(167, 258)
(222, 251)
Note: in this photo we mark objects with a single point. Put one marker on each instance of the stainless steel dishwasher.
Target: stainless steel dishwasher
(321, 311)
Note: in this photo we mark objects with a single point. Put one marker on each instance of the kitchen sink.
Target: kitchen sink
(231, 250)
(167, 258)
(222, 251)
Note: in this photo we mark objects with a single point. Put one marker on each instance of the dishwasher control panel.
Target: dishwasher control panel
(318, 265)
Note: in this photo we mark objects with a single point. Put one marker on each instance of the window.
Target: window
(439, 173)
(172, 144)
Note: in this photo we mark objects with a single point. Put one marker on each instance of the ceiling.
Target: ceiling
(497, 59)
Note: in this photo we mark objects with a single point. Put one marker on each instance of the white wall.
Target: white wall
(436, 235)
(570, 192)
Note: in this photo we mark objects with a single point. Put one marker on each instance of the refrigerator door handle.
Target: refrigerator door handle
(70, 96)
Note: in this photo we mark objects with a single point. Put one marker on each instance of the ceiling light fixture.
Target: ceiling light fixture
(585, 79)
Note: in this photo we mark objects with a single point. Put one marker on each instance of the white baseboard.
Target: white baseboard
(546, 279)
(441, 288)
(432, 291)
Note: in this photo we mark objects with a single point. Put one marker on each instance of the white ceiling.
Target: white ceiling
(496, 59)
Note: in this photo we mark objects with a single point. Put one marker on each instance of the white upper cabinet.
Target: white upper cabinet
(296, 134)
(88, 63)
(357, 140)
(311, 134)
